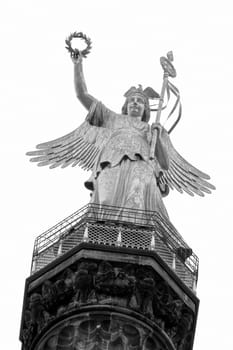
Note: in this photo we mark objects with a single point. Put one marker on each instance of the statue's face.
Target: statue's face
(135, 106)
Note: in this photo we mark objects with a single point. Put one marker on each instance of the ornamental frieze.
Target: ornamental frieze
(101, 283)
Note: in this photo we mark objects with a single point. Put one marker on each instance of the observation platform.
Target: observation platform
(118, 227)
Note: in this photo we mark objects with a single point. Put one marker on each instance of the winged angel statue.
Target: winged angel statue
(116, 147)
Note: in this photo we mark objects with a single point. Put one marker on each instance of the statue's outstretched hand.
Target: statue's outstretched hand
(76, 57)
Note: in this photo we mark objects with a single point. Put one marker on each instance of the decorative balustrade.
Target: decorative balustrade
(119, 227)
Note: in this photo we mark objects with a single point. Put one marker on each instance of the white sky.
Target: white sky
(38, 104)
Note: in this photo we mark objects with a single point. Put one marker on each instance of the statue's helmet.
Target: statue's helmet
(145, 94)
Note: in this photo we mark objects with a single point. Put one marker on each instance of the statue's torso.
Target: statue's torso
(129, 138)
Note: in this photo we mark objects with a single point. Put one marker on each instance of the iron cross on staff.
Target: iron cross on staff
(169, 71)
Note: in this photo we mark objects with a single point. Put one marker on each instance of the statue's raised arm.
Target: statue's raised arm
(80, 84)
(77, 57)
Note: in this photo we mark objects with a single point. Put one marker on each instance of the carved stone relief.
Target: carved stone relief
(92, 282)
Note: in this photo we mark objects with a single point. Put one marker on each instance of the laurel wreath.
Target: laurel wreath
(77, 52)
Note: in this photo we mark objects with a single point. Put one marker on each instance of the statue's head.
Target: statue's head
(137, 102)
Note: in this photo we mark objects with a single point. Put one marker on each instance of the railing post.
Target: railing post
(194, 285)
(85, 235)
(152, 243)
(33, 265)
(174, 261)
(59, 252)
(119, 239)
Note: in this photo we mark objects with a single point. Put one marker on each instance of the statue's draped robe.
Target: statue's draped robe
(123, 175)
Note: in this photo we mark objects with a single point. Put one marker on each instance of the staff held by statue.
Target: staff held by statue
(169, 71)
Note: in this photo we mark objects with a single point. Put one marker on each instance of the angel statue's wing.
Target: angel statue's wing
(80, 147)
(183, 176)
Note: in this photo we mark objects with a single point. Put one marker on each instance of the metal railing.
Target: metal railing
(114, 226)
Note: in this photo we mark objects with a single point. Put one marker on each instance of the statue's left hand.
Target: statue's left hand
(156, 126)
